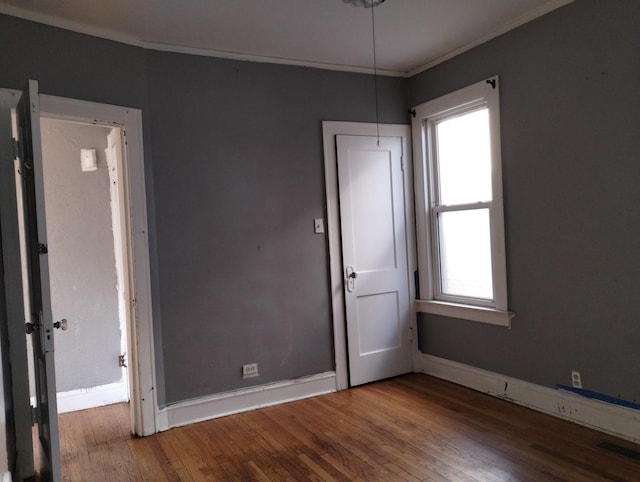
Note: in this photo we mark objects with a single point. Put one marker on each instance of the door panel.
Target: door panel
(28, 113)
(374, 257)
(378, 323)
(371, 207)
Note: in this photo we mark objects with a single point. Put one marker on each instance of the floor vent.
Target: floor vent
(617, 449)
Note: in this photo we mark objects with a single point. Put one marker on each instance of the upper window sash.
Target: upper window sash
(436, 162)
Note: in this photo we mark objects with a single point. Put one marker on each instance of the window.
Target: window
(460, 220)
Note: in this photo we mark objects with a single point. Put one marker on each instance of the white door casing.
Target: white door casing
(376, 355)
(140, 359)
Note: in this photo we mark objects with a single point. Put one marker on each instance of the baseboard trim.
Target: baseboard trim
(93, 397)
(605, 417)
(227, 403)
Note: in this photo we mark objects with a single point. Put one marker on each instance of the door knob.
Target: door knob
(62, 324)
(351, 278)
(31, 327)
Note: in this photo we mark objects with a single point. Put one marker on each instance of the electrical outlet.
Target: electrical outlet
(250, 370)
(576, 380)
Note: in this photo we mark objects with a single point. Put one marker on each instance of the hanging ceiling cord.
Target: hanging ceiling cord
(375, 70)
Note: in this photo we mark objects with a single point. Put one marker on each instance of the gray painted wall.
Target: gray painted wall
(570, 99)
(239, 275)
(81, 256)
(239, 162)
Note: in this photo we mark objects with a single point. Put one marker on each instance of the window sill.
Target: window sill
(466, 312)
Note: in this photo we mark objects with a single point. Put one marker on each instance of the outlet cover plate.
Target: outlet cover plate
(250, 370)
(576, 379)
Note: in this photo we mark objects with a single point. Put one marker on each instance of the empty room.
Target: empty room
(196, 280)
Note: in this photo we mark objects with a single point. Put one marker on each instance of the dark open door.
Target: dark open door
(41, 324)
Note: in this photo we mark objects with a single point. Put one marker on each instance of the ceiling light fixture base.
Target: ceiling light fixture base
(363, 3)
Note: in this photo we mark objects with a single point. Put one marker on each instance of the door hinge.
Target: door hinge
(411, 335)
(122, 360)
(402, 163)
(42, 248)
(17, 149)
(35, 416)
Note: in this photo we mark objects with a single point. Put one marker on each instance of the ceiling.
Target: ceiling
(411, 35)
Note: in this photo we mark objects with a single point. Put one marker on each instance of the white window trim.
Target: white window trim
(486, 93)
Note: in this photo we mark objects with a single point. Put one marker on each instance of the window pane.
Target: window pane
(464, 158)
(465, 253)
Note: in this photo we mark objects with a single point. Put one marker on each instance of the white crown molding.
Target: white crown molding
(528, 17)
(606, 417)
(126, 39)
(223, 54)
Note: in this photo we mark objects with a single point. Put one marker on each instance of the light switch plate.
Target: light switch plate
(318, 225)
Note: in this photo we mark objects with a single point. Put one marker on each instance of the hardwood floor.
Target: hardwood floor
(413, 427)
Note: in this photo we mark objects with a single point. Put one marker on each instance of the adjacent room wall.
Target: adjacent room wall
(82, 263)
(570, 99)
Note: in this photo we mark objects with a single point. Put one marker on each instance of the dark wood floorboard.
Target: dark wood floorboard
(412, 428)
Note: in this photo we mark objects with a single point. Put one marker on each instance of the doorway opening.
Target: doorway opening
(122, 161)
(88, 262)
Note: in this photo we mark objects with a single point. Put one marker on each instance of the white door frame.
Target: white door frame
(330, 130)
(141, 352)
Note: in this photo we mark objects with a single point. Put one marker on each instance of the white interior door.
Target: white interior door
(41, 324)
(374, 253)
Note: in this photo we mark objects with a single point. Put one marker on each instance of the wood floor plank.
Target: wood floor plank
(369, 447)
(409, 428)
(474, 463)
(263, 455)
(148, 462)
(173, 456)
(391, 448)
(266, 442)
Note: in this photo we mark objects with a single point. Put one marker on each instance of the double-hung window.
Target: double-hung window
(460, 221)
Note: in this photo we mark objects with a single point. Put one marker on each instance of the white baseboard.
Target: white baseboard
(93, 397)
(219, 405)
(606, 417)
